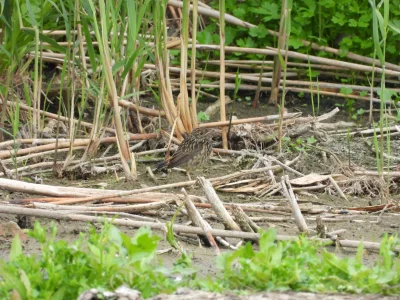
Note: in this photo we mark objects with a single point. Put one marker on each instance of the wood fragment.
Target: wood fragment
(150, 172)
(196, 218)
(217, 205)
(9, 209)
(333, 235)
(287, 191)
(338, 189)
(137, 208)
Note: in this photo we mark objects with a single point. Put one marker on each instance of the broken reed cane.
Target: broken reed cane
(8, 209)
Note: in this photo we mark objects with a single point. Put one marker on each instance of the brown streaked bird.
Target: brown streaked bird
(193, 152)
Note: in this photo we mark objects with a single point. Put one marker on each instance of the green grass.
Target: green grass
(107, 259)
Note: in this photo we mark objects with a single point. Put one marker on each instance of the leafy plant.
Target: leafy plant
(342, 24)
(102, 260)
(298, 145)
(202, 116)
(297, 265)
(107, 259)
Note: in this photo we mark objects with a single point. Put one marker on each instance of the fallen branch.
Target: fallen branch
(217, 205)
(287, 191)
(77, 143)
(197, 220)
(7, 209)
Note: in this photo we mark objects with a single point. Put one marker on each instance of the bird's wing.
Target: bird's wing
(184, 154)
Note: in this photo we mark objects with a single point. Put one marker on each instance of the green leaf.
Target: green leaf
(346, 90)
(230, 35)
(59, 294)
(239, 12)
(202, 116)
(363, 93)
(353, 23)
(269, 10)
(311, 140)
(260, 31)
(25, 281)
(16, 248)
(206, 35)
(339, 18)
(295, 42)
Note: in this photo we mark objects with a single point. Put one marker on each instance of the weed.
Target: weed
(342, 24)
(298, 145)
(298, 265)
(202, 116)
(108, 258)
(102, 260)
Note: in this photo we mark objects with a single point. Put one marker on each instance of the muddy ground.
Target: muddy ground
(359, 227)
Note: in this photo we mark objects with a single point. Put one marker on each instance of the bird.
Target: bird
(193, 152)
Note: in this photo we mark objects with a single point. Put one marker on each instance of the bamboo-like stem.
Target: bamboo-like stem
(254, 78)
(326, 62)
(77, 143)
(224, 131)
(256, 98)
(249, 120)
(107, 68)
(193, 64)
(183, 98)
(273, 99)
(286, 5)
(247, 87)
(305, 57)
(161, 57)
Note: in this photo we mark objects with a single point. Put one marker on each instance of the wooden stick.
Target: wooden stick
(338, 189)
(77, 143)
(286, 188)
(7, 209)
(305, 57)
(249, 120)
(137, 208)
(197, 220)
(374, 173)
(217, 205)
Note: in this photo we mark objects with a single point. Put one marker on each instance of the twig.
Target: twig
(374, 173)
(150, 172)
(333, 235)
(338, 189)
(76, 143)
(199, 221)
(115, 208)
(7, 209)
(286, 188)
(217, 205)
